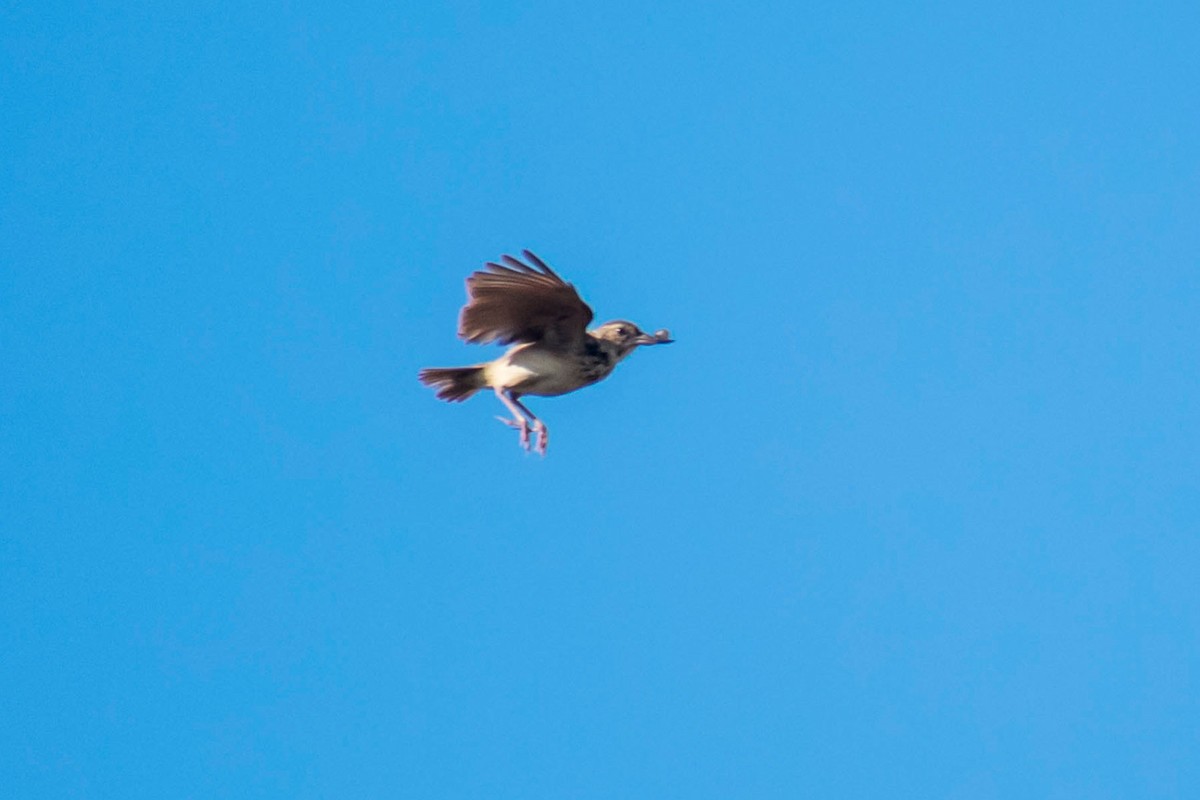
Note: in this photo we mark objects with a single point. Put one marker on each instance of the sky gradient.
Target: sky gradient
(909, 509)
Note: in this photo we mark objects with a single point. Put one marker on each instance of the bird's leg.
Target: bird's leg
(543, 433)
(519, 421)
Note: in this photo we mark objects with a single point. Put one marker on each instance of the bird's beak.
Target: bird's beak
(658, 337)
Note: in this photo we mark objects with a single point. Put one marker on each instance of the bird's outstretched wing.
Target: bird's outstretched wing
(517, 302)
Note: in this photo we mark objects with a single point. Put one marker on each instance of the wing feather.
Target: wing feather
(517, 302)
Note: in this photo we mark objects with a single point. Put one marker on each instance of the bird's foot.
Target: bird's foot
(521, 425)
(543, 437)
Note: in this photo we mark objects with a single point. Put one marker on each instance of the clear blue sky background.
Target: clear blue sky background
(910, 509)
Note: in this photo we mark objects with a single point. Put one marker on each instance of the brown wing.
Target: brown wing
(516, 302)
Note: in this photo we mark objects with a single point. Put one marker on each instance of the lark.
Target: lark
(527, 305)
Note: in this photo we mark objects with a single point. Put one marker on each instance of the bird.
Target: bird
(527, 305)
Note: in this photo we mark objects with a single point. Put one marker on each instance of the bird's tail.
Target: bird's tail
(453, 384)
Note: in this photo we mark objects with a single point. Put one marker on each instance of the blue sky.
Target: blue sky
(909, 510)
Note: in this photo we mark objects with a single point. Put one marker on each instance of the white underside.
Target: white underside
(533, 370)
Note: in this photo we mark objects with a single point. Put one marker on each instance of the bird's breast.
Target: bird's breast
(539, 370)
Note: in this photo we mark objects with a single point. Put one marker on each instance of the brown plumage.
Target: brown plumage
(454, 384)
(521, 303)
(529, 305)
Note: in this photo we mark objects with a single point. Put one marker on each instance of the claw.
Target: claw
(521, 425)
(522, 416)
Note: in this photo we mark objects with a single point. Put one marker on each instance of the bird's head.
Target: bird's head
(626, 336)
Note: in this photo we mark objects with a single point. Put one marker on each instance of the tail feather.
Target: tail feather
(453, 384)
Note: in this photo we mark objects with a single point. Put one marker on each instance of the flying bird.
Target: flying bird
(526, 304)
